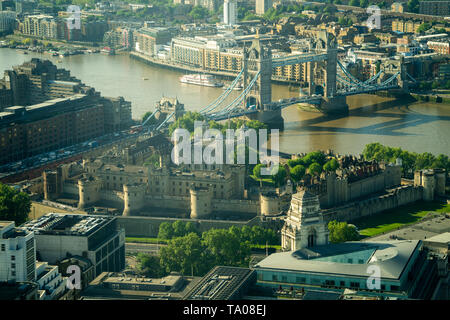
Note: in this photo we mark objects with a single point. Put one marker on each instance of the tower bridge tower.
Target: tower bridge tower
(258, 58)
(322, 75)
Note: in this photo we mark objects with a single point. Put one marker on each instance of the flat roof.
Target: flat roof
(67, 224)
(391, 256)
(441, 238)
(221, 283)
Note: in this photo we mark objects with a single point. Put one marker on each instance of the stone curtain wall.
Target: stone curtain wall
(397, 197)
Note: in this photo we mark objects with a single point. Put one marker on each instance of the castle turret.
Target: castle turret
(440, 182)
(52, 184)
(88, 190)
(133, 198)
(428, 184)
(270, 204)
(432, 181)
(201, 199)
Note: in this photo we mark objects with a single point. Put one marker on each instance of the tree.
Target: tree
(226, 248)
(14, 205)
(165, 231)
(424, 27)
(363, 3)
(413, 6)
(179, 228)
(278, 175)
(353, 3)
(331, 165)
(186, 255)
(199, 13)
(315, 168)
(149, 266)
(315, 156)
(297, 173)
(341, 232)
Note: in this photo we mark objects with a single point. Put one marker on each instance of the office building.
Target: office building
(435, 8)
(17, 253)
(230, 12)
(51, 283)
(119, 286)
(7, 22)
(223, 283)
(406, 269)
(96, 238)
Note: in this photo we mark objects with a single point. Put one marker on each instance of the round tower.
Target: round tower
(133, 198)
(270, 204)
(428, 184)
(201, 205)
(440, 181)
(88, 191)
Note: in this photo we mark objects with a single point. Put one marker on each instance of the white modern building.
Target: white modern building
(97, 238)
(230, 12)
(51, 283)
(17, 253)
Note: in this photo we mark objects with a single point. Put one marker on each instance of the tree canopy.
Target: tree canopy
(298, 172)
(14, 205)
(411, 161)
(341, 232)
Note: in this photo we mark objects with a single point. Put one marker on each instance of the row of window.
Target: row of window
(334, 283)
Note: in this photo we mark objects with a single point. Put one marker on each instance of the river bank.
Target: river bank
(412, 125)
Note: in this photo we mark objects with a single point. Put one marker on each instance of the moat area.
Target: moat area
(419, 127)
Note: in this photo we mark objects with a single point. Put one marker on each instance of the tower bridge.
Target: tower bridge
(329, 83)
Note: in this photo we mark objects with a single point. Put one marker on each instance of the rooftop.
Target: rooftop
(347, 259)
(69, 224)
(221, 283)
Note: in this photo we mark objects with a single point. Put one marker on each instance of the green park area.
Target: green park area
(399, 217)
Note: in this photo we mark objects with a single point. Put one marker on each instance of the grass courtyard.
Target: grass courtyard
(395, 218)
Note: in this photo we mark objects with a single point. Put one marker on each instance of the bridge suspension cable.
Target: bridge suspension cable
(165, 120)
(149, 117)
(239, 99)
(213, 105)
(355, 80)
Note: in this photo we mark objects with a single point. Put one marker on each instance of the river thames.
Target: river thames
(418, 127)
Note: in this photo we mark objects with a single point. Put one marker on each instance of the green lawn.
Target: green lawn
(265, 182)
(392, 219)
(145, 240)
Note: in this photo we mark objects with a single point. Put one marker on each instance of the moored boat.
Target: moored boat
(201, 80)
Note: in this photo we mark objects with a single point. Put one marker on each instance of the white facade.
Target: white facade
(51, 283)
(304, 227)
(17, 253)
(230, 12)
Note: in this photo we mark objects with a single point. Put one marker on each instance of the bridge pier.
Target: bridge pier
(330, 105)
(272, 118)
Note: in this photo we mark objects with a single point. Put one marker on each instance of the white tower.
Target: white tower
(304, 225)
(230, 12)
